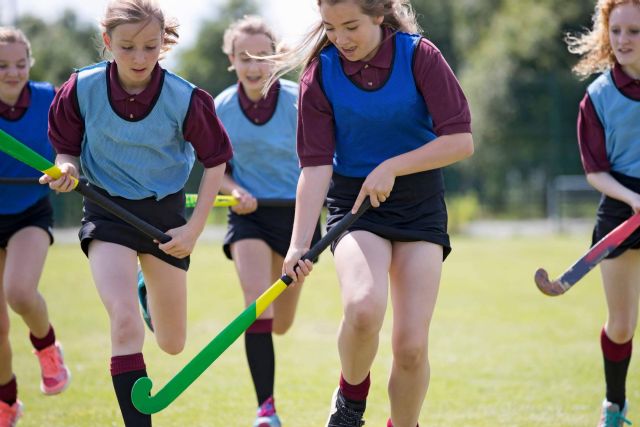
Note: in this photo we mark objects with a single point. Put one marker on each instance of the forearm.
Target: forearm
(209, 185)
(606, 184)
(313, 185)
(442, 151)
(228, 184)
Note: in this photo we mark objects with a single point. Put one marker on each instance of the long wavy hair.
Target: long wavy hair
(398, 15)
(594, 46)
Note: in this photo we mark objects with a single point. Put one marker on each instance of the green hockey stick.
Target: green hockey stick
(26, 155)
(141, 392)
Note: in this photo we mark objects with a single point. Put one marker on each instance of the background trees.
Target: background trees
(508, 54)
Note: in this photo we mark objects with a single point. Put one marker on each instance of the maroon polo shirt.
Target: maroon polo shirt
(434, 79)
(261, 111)
(591, 137)
(202, 128)
(14, 112)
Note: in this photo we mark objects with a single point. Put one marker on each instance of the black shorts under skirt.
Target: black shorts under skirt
(273, 225)
(40, 215)
(612, 212)
(415, 210)
(163, 214)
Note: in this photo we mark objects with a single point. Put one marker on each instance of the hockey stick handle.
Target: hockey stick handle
(26, 155)
(19, 181)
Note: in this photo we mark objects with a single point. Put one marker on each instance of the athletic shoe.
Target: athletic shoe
(390, 424)
(341, 415)
(142, 298)
(9, 414)
(55, 374)
(266, 415)
(612, 416)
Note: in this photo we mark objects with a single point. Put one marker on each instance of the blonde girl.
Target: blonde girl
(136, 128)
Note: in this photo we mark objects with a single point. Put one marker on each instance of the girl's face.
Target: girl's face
(14, 71)
(624, 36)
(356, 35)
(251, 72)
(135, 48)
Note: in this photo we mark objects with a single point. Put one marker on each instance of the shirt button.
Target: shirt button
(370, 83)
(366, 66)
(131, 99)
(131, 116)
(13, 109)
(256, 120)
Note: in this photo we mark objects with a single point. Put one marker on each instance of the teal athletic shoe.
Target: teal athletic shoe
(266, 415)
(142, 298)
(612, 416)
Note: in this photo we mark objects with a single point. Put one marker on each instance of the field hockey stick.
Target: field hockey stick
(26, 155)
(226, 201)
(141, 392)
(19, 181)
(589, 260)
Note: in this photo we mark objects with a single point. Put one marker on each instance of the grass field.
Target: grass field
(502, 354)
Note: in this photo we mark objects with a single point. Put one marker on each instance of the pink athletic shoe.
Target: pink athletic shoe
(55, 375)
(9, 414)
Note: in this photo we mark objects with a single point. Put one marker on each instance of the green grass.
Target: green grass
(502, 354)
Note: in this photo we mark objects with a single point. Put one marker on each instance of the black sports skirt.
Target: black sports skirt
(163, 214)
(415, 210)
(273, 225)
(612, 212)
(40, 214)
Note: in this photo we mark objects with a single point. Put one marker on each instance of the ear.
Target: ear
(378, 20)
(106, 40)
(232, 58)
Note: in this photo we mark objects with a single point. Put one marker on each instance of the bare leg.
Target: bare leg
(362, 262)
(415, 278)
(25, 256)
(167, 299)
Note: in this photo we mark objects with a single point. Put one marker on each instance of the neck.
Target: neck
(134, 89)
(371, 54)
(632, 71)
(9, 100)
(253, 94)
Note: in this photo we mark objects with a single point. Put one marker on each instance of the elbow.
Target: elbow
(467, 148)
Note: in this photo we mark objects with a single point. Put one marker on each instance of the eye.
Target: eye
(329, 29)
(352, 28)
(127, 47)
(150, 48)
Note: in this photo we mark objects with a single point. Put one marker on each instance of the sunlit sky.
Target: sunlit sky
(289, 18)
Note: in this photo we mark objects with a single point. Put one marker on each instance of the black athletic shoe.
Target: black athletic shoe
(342, 415)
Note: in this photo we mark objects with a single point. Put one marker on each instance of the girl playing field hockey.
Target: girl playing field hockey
(26, 219)
(380, 114)
(262, 130)
(134, 127)
(608, 136)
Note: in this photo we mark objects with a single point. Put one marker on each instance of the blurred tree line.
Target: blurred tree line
(509, 56)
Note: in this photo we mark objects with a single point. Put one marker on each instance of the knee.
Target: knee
(171, 345)
(410, 356)
(281, 326)
(364, 318)
(19, 299)
(126, 327)
(620, 332)
(4, 329)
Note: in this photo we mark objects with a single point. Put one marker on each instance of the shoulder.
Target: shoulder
(224, 98)
(93, 69)
(177, 80)
(288, 88)
(600, 84)
(42, 86)
(310, 74)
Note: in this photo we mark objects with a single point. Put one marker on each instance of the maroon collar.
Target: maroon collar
(382, 59)
(621, 78)
(145, 97)
(265, 102)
